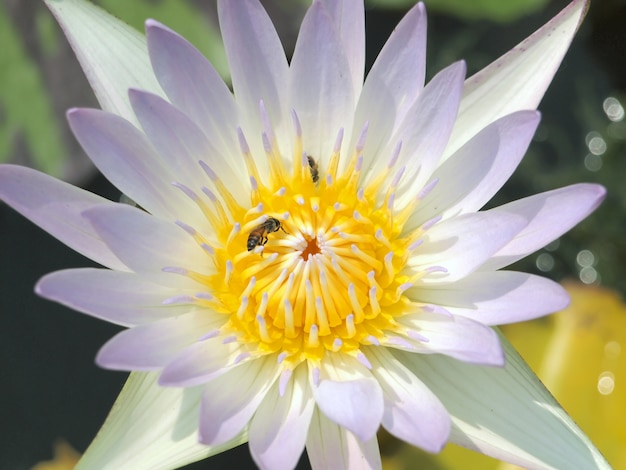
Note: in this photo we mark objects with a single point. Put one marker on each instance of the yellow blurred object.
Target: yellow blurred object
(65, 458)
(584, 366)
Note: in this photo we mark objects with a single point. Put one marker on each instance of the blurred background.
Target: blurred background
(50, 389)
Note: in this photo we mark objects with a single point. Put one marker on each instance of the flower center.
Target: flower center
(315, 263)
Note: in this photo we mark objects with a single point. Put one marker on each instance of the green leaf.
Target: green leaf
(494, 10)
(26, 110)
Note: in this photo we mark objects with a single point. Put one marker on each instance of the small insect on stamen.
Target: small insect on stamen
(258, 235)
(315, 174)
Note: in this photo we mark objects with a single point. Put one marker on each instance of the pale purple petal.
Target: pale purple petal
(393, 83)
(202, 361)
(321, 90)
(496, 297)
(518, 79)
(349, 19)
(181, 145)
(459, 337)
(193, 85)
(346, 390)
(258, 67)
(126, 158)
(122, 298)
(550, 215)
(506, 412)
(425, 131)
(412, 412)
(57, 208)
(278, 430)
(144, 242)
(461, 244)
(329, 446)
(151, 346)
(470, 178)
(224, 414)
(113, 55)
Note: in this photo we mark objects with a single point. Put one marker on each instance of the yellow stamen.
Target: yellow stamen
(330, 277)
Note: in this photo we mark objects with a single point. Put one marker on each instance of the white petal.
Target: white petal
(278, 430)
(518, 79)
(468, 179)
(349, 395)
(193, 85)
(144, 242)
(496, 297)
(151, 427)
(202, 361)
(506, 413)
(113, 55)
(329, 446)
(321, 89)
(57, 208)
(258, 67)
(151, 346)
(181, 144)
(458, 337)
(349, 19)
(225, 414)
(462, 244)
(127, 159)
(550, 215)
(412, 412)
(425, 131)
(393, 83)
(122, 298)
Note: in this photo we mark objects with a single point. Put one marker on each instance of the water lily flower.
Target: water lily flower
(307, 260)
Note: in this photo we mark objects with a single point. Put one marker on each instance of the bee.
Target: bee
(258, 236)
(315, 174)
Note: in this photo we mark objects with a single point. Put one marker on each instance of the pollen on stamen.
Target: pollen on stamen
(360, 144)
(350, 325)
(373, 340)
(243, 306)
(175, 270)
(313, 339)
(394, 155)
(414, 335)
(374, 305)
(234, 232)
(429, 223)
(415, 244)
(290, 331)
(360, 195)
(263, 333)
(229, 339)
(354, 303)
(208, 248)
(430, 308)
(435, 269)
(322, 318)
(336, 346)
(211, 334)
(427, 189)
(254, 185)
(362, 358)
(285, 376)
(241, 357)
(179, 299)
(229, 271)
(261, 309)
(204, 296)
(187, 191)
